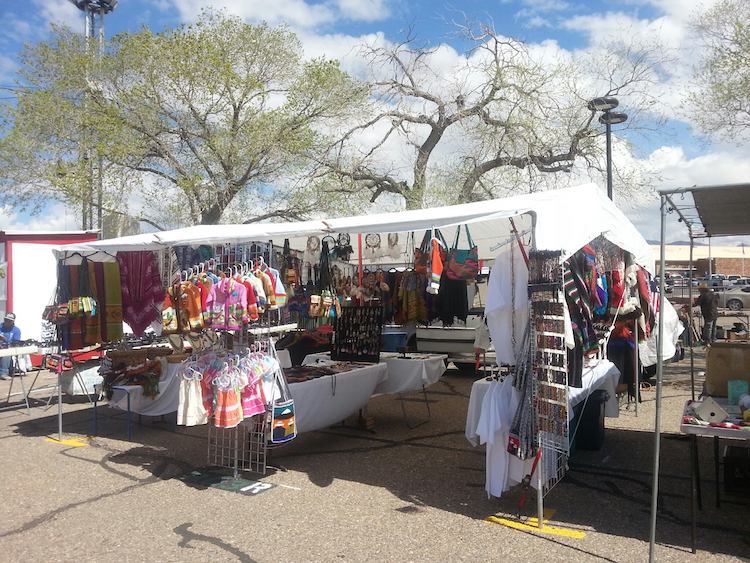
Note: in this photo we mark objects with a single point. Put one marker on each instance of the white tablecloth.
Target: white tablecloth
(164, 403)
(322, 402)
(82, 383)
(404, 374)
(604, 375)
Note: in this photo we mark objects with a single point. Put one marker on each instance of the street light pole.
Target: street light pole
(608, 118)
(90, 9)
(609, 160)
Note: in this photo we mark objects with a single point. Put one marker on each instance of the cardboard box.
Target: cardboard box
(726, 361)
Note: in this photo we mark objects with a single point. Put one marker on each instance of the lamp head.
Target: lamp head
(603, 104)
(613, 118)
(98, 6)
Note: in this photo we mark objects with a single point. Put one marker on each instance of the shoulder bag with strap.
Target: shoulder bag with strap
(283, 426)
(463, 264)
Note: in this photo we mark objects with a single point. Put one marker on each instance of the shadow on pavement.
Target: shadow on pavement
(433, 466)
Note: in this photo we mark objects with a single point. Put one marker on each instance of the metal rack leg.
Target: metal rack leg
(95, 420)
(717, 472)
(697, 467)
(130, 422)
(236, 452)
(540, 492)
(693, 490)
(406, 417)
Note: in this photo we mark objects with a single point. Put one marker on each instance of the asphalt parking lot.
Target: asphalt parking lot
(345, 493)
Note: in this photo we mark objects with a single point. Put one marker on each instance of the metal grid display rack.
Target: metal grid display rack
(550, 371)
(242, 448)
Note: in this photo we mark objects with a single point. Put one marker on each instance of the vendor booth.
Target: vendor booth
(722, 409)
(569, 297)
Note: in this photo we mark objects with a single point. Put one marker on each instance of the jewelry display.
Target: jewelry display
(357, 334)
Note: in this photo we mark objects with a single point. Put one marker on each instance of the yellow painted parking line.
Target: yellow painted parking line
(74, 443)
(532, 525)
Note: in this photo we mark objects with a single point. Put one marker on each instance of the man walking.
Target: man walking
(708, 301)
(9, 333)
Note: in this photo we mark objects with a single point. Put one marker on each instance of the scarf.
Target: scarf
(113, 301)
(93, 332)
(142, 292)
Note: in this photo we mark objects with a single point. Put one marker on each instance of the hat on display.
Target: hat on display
(10, 317)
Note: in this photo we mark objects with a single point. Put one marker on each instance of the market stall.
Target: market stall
(527, 237)
(719, 412)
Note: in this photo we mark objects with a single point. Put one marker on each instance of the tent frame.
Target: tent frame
(692, 217)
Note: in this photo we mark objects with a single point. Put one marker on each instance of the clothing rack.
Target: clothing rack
(244, 447)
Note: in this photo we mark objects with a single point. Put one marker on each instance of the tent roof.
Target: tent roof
(564, 219)
(721, 210)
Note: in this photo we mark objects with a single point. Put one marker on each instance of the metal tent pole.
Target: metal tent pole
(540, 490)
(659, 377)
(690, 320)
(59, 397)
(636, 371)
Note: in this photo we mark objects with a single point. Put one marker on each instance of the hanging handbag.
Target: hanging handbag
(291, 272)
(422, 254)
(283, 426)
(463, 264)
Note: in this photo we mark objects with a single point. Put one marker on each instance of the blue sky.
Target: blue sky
(331, 27)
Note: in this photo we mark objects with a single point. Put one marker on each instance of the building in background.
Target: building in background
(728, 260)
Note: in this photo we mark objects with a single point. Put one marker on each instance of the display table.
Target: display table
(603, 375)
(164, 403)
(405, 375)
(717, 433)
(21, 365)
(322, 402)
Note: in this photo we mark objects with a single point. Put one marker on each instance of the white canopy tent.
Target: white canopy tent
(565, 219)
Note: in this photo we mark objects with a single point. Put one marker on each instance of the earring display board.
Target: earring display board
(550, 365)
(357, 334)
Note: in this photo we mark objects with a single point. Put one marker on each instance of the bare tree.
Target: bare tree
(500, 106)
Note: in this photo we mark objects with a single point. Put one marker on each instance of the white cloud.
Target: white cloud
(547, 5)
(677, 170)
(297, 13)
(538, 21)
(55, 218)
(60, 12)
(300, 14)
(363, 10)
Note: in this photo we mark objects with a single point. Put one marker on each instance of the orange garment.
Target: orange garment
(436, 261)
(191, 310)
(267, 287)
(228, 411)
(169, 313)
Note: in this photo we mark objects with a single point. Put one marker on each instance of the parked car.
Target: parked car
(733, 278)
(741, 281)
(735, 298)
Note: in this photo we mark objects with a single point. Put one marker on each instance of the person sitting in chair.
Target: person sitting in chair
(9, 333)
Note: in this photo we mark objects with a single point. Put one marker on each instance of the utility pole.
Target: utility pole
(93, 30)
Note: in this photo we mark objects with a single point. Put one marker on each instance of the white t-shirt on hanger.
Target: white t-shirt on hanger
(498, 408)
